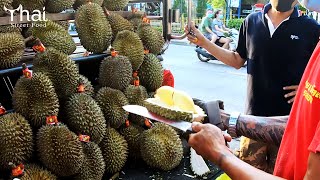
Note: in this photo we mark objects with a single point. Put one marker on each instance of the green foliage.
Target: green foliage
(201, 8)
(181, 5)
(218, 4)
(235, 23)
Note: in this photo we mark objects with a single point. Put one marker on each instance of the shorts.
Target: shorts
(208, 36)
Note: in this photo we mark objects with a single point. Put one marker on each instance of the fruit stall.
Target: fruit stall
(62, 94)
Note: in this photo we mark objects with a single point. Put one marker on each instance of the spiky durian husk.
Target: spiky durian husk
(88, 88)
(136, 94)
(161, 147)
(35, 172)
(29, 5)
(135, 19)
(118, 23)
(84, 116)
(132, 136)
(7, 4)
(115, 5)
(53, 35)
(151, 73)
(136, 119)
(115, 72)
(115, 151)
(93, 28)
(93, 166)
(60, 150)
(128, 44)
(79, 3)
(62, 71)
(9, 28)
(35, 99)
(11, 49)
(111, 102)
(64, 24)
(151, 38)
(56, 6)
(15, 139)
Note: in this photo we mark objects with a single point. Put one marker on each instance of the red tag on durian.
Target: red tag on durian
(84, 138)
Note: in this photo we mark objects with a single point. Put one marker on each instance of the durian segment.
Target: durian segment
(60, 150)
(152, 39)
(118, 23)
(115, 151)
(84, 116)
(161, 147)
(115, 5)
(61, 69)
(183, 101)
(136, 94)
(56, 6)
(11, 49)
(88, 88)
(165, 94)
(151, 73)
(128, 43)
(51, 34)
(35, 172)
(111, 102)
(29, 5)
(198, 165)
(35, 99)
(79, 3)
(132, 136)
(7, 4)
(93, 28)
(93, 166)
(115, 72)
(16, 140)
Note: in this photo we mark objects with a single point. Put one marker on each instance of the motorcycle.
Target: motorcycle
(205, 56)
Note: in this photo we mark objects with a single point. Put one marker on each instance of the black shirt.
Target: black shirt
(277, 61)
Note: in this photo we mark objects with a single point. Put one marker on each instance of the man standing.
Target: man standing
(277, 44)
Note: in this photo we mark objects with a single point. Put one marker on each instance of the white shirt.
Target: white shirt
(273, 29)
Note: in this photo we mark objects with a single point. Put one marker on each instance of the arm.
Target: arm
(313, 166)
(219, 29)
(209, 30)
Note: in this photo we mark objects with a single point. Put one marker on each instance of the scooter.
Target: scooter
(205, 56)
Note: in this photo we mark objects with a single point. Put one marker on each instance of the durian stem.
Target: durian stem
(115, 176)
(30, 38)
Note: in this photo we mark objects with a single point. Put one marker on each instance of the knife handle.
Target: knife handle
(186, 134)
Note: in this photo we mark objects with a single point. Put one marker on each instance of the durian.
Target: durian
(151, 38)
(118, 23)
(129, 44)
(161, 147)
(165, 94)
(132, 134)
(111, 102)
(54, 35)
(136, 94)
(64, 24)
(29, 5)
(9, 28)
(7, 4)
(93, 166)
(151, 73)
(115, 5)
(15, 139)
(60, 150)
(84, 116)
(56, 6)
(11, 49)
(36, 99)
(115, 72)
(136, 20)
(35, 172)
(115, 151)
(93, 28)
(88, 88)
(136, 119)
(79, 3)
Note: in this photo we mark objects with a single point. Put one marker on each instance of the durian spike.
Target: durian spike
(3, 110)
(52, 120)
(39, 47)
(127, 123)
(26, 72)
(84, 138)
(86, 54)
(16, 171)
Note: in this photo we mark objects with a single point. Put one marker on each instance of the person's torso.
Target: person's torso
(275, 62)
(305, 117)
(218, 23)
(206, 22)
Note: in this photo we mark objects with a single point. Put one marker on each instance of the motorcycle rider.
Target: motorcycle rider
(220, 29)
(205, 26)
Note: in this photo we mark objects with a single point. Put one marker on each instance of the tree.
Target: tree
(201, 8)
(218, 4)
(181, 5)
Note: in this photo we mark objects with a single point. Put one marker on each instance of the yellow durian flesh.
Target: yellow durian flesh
(165, 94)
(183, 101)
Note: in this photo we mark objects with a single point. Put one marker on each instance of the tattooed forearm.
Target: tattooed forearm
(265, 129)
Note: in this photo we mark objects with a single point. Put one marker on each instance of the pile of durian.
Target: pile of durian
(62, 126)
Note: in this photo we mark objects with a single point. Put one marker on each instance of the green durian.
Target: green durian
(60, 150)
(79, 3)
(93, 166)
(64, 24)
(54, 35)
(128, 43)
(115, 5)
(135, 19)
(136, 119)
(161, 147)
(29, 5)
(132, 135)
(84, 116)
(115, 72)
(11, 49)
(93, 28)
(151, 38)
(7, 4)
(62, 71)
(88, 88)
(136, 94)
(16, 140)
(35, 99)
(56, 6)
(151, 73)
(9, 29)
(115, 151)
(35, 172)
(111, 102)
(118, 23)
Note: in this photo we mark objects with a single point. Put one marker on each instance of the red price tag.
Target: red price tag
(51, 120)
(18, 170)
(2, 110)
(84, 138)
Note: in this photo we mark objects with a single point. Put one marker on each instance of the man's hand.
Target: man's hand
(195, 36)
(210, 142)
(292, 94)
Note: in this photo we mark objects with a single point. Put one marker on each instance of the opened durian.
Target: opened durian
(79, 3)
(11, 49)
(115, 5)
(111, 102)
(60, 150)
(84, 116)
(16, 140)
(161, 147)
(56, 6)
(115, 151)
(29, 5)
(93, 28)
(35, 172)
(151, 38)
(118, 23)
(128, 43)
